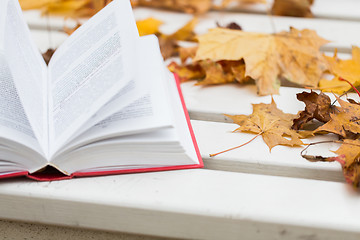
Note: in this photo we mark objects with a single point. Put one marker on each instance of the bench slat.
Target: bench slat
(255, 157)
(208, 205)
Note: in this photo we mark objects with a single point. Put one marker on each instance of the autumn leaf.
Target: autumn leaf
(350, 152)
(207, 72)
(294, 8)
(292, 55)
(169, 43)
(48, 54)
(214, 73)
(232, 25)
(148, 26)
(187, 72)
(186, 53)
(271, 123)
(67, 8)
(33, 4)
(348, 69)
(345, 122)
(317, 106)
(185, 33)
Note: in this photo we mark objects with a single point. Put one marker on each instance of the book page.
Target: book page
(90, 68)
(14, 124)
(149, 111)
(28, 69)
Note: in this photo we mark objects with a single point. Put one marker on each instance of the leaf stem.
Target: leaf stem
(215, 154)
(342, 79)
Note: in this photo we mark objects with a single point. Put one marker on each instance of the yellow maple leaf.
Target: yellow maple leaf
(271, 123)
(148, 26)
(347, 69)
(293, 55)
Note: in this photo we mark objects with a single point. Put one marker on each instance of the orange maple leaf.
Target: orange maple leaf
(271, 123)
(292, 55)
(348, 69)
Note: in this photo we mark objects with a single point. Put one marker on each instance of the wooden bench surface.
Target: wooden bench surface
(248, 193)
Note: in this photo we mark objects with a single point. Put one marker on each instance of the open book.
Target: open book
(105, 104)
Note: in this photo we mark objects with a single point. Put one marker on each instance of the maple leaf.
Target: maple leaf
(186, 33)
(348, 69)
(148, 26)
(269, 122)
(168, 43)
(317, 106)
(185, 53)
(292, 55)
(294, 8)
(345, 122)
(208, 72)
(215, 73)
(187, 72)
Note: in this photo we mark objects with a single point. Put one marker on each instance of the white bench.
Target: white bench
(244, 194)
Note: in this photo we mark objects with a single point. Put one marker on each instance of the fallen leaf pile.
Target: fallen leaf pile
(268, 59)
(87, 8)
(279, 128)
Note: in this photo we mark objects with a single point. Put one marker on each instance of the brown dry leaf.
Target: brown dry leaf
(148, 26)
(232, 25)
(292, 55)
(345, 122)
(168, 43)
(294, 8)
(238, 69)
(317, 106)
(214, 73)
(187, 72)
(271, 123)
(186, 53)
(347, 69)
(48, 54)
(168, 47)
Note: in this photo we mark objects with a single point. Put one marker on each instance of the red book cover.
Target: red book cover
(50, 173)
